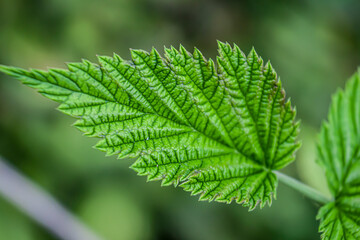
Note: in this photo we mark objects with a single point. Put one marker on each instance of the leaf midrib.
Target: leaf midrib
(246, 102)
(155, 113)
(210, 102)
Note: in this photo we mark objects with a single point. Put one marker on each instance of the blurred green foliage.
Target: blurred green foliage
(313, 45)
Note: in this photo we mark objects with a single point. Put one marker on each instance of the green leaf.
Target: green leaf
(218, 132)
(339, 155)
(339, 221)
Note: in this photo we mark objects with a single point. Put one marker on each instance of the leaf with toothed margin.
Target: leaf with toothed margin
(339, 156)
(216, 131)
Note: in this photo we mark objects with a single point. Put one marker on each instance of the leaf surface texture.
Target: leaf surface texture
(216, 131)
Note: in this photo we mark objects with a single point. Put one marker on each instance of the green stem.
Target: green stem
(301, 187)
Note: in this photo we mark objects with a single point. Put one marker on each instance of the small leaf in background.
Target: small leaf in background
(339, 155)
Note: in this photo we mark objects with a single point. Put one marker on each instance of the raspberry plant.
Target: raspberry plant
(221, 132)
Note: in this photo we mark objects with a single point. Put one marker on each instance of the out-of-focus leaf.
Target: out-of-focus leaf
(339, 155)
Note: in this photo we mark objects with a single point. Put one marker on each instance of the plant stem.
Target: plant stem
(303, 188)
(40, 206)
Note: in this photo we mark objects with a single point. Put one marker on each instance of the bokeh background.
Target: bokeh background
(313, 45)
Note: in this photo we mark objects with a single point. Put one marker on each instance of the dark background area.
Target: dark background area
(313, 45)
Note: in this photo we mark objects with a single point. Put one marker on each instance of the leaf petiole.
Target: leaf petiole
(303, 188)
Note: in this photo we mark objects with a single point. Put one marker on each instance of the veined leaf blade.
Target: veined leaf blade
(216, 131)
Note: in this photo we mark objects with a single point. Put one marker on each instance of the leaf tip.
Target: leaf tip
(135, 53)
(11, 71)
(197, 53)
(222, 45)
(253, 51)
(103, 58)
(183, 50)
(3, 68)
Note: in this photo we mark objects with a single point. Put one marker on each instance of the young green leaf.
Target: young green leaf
(339, 155)
(216, 132)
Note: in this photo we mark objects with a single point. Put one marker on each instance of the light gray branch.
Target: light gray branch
(40, 206)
